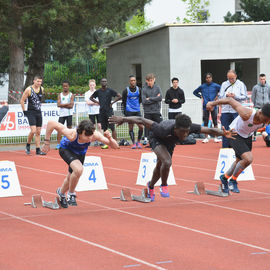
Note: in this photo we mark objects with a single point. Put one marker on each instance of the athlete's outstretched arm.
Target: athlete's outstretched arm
(219, 132)
(244, 112)
(106, 138)
(119, 120)
(61, 129)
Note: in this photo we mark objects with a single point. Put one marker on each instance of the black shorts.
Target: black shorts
(127, 113)
(67, 119)
(241, 145)
(104, 116)
(68, 156)
(94, 118)
(267, 140)
(155, 142)
(34, 118)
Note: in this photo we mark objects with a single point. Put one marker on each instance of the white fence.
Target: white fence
(14, 127)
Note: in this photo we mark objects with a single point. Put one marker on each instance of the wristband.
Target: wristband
(46, 140)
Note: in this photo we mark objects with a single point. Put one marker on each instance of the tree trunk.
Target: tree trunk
(16, 66)
(37, 59)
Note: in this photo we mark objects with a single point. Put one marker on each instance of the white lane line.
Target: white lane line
(190, 200)
(83, 241)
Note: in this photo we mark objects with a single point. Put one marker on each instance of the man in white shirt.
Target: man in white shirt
(65, 102)
(235, 89)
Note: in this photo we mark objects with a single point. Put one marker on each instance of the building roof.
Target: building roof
(165, 25)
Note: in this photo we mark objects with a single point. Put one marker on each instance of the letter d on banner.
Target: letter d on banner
(9, 182)
(147, 165)
(93, 177)
(225, 160)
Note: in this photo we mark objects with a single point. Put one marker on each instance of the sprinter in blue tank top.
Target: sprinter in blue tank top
(131, 99)
(73, 148)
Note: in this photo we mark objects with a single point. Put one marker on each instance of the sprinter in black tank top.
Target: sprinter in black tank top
(33, 95)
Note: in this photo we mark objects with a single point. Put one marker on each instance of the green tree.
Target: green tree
(137, 24)
(196, 11)
(254, 10)
(37, 29)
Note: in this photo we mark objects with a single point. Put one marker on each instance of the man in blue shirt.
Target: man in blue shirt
(208, 92)
(131, 99)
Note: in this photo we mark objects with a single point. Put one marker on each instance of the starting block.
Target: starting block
(37, 201)
(125, 195)
(199, 189)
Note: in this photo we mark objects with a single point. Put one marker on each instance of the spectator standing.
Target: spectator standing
(92, 107)
(151, 100)
(65, 102)
(33, 94)
(175, 97)
(131, 99)
(260, 94)
(208, 91)
(235, 89)
(105, 95)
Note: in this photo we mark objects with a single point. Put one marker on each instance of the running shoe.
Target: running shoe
(62, 198)
(164, 192)
(205, 140)
(217, 140)
(105, 146)
(150, 192)
(134, 146)
(71, 199)
(139, 145)
(27, 150)
(224, 183)
(39, 152)
(233, 186)
(57, 146)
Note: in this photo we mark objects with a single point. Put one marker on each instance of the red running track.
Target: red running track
(184, 231)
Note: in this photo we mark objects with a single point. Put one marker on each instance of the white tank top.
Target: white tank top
(245, 128)
(65, 100)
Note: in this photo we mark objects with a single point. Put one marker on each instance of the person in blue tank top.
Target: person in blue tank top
(266, 135)
(73, 148)
(131, 99)
(248, 121)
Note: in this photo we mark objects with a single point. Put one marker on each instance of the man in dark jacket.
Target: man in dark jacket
(208, 92)
(175, 97)
(151, 100)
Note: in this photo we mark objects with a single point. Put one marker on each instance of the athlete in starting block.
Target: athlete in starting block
(244, 124)
(164, 136)
(73, 148)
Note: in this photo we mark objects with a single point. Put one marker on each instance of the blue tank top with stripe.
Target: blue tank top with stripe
(74, 146)
(133, 100)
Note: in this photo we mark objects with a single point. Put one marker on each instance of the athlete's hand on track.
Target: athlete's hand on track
(229, 133)
(116, 120)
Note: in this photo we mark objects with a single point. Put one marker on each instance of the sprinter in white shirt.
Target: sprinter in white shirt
(65, 102)
(248, 121)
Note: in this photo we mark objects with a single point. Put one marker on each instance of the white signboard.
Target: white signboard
(93, 177)
(9, 182)
(147, 165)
(225, 160)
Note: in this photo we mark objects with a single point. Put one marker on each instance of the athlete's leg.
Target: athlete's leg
(131, 133)
(77, 170)
(162, 168)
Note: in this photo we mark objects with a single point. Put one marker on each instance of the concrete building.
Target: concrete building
(188, 51)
